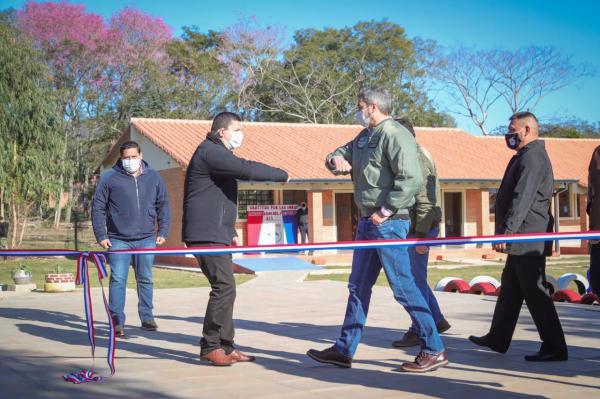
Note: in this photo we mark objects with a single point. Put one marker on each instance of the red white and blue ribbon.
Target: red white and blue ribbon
(83, 277)
(344, 245)
(82, 376)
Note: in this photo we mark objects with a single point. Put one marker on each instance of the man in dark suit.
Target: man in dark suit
(523, 206)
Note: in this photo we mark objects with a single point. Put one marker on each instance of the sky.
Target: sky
(571, 26)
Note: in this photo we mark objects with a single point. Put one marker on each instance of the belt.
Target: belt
(402, 214)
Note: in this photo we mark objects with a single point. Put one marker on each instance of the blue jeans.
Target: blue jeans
(418, 264)
(119, 270)
(366, 265)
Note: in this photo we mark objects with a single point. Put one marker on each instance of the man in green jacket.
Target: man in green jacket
(386, 176)
(426, 215)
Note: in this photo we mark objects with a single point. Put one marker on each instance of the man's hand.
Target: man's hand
(340, 164)
(421, 249)
(160, 240)
(499, 247)
(377, 218)
(235, 241)
(105, 243)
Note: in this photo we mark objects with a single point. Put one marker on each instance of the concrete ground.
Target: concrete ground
(279, 317)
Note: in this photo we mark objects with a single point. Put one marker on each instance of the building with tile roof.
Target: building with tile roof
(469, 167)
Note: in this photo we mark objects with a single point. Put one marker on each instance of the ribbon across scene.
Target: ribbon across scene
(99, 260)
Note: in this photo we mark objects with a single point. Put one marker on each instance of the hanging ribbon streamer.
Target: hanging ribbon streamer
(83, 277)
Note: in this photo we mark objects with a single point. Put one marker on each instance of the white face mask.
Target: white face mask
(237, 136)
(131, 165)
(362, 119)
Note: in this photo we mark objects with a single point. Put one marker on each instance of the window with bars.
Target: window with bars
(564, 204)
(291, 197)
(253, 197)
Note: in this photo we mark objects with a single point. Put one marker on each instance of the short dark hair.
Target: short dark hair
(523, 115)
(407, 124)
(129, 144)
(222, 121)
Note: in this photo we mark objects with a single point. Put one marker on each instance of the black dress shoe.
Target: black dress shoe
(481, 341)
(485, 342)
(547, 357)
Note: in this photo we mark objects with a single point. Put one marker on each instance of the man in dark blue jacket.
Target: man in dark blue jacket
(209, 215)
(523, 206)
(130, 199)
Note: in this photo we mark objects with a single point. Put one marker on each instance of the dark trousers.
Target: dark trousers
(595, 268)
(303, 228)
(218, 329)
(523, 278)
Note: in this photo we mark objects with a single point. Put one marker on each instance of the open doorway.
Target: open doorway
(346, 216)
(453, 214)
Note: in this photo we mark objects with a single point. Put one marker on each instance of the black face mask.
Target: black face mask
(512, 140)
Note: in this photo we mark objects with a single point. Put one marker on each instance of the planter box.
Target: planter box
(59, 282)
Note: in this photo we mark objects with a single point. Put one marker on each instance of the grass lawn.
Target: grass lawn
(162, 278)
(468, 272)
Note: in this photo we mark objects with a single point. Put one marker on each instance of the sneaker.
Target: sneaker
(119, 331)
(442, 326)
(149, 325)
(410, 338)
(425, 362)
(330, 356)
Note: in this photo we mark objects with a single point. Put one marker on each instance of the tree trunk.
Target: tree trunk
(23, 227)
(69, 203)
(57, 208)
(14, 216)
(2, 201)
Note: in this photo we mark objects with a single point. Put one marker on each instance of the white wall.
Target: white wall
(156, 158)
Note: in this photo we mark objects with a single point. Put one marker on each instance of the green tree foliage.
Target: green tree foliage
(30, 130)
(571, 128)
(316, 80)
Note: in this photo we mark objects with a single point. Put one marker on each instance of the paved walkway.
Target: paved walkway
(278, 318)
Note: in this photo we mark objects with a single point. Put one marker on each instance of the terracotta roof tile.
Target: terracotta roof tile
(301, 148)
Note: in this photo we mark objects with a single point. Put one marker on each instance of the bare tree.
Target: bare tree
(315, 95)
(527, 75)
(476, 79)
(471, 81)
(249, 50)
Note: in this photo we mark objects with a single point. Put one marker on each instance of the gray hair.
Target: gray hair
(381, 97)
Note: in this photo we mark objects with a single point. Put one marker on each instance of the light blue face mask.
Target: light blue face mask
(131, 165)
(362, 119)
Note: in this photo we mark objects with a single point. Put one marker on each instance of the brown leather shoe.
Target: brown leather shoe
(241, 357)
(442, 326)
(330, 356)
(410, 338)
(218, 358)
(425, 362)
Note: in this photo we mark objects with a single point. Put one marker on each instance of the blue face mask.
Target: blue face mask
(512, 140)
(131, 165)
(362, 119)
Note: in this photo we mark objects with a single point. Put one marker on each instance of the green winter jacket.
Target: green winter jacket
(385, 168)
(427, 211)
